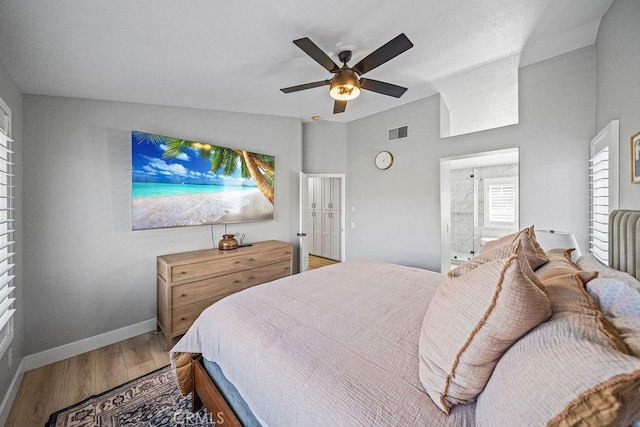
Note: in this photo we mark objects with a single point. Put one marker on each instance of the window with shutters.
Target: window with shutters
(7, 276)
(501, 202)
(603, 188)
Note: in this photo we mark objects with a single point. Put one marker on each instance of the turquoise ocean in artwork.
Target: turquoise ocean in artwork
(154, 189)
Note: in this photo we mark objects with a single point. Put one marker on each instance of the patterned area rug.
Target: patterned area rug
(151, 400)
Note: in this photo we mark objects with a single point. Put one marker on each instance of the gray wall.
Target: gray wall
(324, 147)
(618, 85)
(13, 97)
(397, 211)
(87, 272)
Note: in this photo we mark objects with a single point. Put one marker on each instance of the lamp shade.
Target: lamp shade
(550, 239)
(345, 86)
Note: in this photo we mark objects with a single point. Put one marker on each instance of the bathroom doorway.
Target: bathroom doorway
(479, 198)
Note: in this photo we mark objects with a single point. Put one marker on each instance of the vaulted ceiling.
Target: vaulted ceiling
(235, 56)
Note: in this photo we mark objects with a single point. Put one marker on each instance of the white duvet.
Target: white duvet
(333, 346)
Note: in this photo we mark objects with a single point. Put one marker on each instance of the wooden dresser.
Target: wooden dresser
(189, 282)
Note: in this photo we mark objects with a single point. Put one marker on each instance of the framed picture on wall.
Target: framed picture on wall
(635, 158)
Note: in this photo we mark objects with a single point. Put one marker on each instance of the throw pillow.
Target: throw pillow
(471, 321)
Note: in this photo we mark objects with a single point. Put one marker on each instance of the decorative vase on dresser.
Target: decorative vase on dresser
(189, 282)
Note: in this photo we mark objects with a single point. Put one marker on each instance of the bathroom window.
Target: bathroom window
(501, 202)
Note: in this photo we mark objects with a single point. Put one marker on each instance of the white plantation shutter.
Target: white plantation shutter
(603, 188)
(501, 202)
(6, 241)
(599, 205)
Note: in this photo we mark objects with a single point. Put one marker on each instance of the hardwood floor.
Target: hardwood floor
(318, 261)
(58, 385)
(61, 384)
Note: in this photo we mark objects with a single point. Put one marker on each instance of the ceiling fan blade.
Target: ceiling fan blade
(305, 86)
(317, 54)
(339, 106)
(382, 87)
(383, 54)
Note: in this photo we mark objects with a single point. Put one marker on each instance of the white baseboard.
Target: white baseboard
(57, 354)
(7, 402)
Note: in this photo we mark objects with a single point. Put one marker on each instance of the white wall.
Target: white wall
(618, 85)
(324, 147)
(397, 212)
(13, 97)
(87, 272)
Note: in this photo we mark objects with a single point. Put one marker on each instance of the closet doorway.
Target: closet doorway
(479, 199)
(322, 219)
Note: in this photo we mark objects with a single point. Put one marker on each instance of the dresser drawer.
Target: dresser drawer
(214, 287)
(266, 273)
(183, 317)
(189, 282)
(267, 257)
(203, 268)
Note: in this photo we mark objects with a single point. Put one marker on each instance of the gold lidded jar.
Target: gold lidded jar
(228, 242)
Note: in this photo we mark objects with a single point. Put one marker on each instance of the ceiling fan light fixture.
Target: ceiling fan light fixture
(345, 86)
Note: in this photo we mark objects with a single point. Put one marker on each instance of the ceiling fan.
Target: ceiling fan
(346, 83)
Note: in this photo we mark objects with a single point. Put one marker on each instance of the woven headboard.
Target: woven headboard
(624, 241)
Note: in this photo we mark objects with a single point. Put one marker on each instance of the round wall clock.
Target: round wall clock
(384, 160)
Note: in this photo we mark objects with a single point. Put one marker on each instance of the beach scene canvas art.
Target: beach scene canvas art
(178, 182)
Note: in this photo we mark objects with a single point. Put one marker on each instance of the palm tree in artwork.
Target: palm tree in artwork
(259, 167)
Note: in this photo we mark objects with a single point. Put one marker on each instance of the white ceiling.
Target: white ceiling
(235, 56)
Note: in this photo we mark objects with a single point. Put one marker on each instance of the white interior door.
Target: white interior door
(304, 222)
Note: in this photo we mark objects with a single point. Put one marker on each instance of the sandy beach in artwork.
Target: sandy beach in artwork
(196, 209)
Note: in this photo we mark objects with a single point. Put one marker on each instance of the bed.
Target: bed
(361, 343)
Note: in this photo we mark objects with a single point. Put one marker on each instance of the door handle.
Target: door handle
(301, 234)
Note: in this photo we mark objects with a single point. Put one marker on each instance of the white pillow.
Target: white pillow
(620, 303)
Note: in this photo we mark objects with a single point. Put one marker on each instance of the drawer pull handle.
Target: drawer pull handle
(183, 295)
(237, 262)
(251, 259)
(237, 281)
(182, 318)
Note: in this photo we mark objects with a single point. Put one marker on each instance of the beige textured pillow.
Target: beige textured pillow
(567, 371)
(561, 255)
(534, 253)
(569, 297)
(559, 264)
(498, 252)
(471, 321)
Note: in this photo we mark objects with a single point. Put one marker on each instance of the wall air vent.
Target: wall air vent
(397, 134)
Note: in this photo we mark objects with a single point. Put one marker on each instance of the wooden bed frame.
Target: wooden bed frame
(624, 245)
(204, 392)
